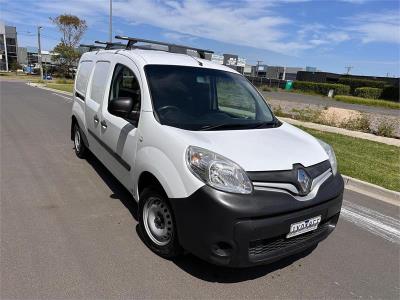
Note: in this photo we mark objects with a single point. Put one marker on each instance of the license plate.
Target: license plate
(303, 226)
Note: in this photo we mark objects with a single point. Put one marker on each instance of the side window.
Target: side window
(99, 81)
(125, 84)
(235, 99)
(82, 77)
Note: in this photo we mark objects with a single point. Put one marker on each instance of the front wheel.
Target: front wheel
(80, 148)
(157, 224)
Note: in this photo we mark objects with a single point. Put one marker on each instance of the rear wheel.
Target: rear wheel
(79, 145)
(157, 223)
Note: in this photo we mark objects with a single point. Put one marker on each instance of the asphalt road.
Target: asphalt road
(68, 229)
(325, 101)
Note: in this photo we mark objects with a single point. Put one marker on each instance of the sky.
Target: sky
(327, 34)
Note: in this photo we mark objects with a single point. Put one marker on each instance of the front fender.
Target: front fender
(175, 178)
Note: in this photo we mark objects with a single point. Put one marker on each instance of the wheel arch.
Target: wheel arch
(171, 176)
(74, 121)
(147, 179)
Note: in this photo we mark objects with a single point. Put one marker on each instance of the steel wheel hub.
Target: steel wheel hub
(77, 140)
(157, 220)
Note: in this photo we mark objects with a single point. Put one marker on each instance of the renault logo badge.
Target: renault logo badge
(304, 181)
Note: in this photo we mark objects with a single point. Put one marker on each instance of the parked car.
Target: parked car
(214, 172)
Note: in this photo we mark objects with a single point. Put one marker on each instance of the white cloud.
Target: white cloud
(319, 34)
(179, 37)
(250, 23)
(376, 27)
(254, 23)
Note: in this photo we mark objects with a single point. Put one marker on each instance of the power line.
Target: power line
(40, 53)
(110, 25)
(348, 68)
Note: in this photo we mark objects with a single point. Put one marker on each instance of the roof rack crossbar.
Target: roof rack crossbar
(110, 45)
(92, 47)
(132, 41)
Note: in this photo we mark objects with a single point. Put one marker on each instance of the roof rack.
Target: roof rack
(171, 47)
(111, 45)
(92, 47)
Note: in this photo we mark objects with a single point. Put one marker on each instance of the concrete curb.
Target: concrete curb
(372, 190)
(356, 134)
(41, 86)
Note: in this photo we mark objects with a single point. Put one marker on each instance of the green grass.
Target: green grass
(21, 76)
(369, 161)
(68, 87)
(369, 102)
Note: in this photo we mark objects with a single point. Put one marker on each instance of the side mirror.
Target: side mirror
(122, 107)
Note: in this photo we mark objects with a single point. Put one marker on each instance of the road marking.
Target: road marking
(65, 97)
(372, 221)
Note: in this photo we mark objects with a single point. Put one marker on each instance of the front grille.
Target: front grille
(289, 176)
(260, 248)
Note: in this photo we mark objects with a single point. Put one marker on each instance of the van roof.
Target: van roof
(159, 57)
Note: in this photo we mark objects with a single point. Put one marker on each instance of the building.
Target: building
(318, 76)
(22, 55)
(290, 73)
(311, 69)
(275, 72)
(218, 59)
(230, 60)
(259, 70)
(248, 69)
(326, 77)
(8, 46)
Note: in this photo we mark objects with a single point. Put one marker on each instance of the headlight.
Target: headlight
(331, 154)
(217, 171)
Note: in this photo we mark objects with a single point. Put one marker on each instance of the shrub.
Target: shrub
(64, 81)
(278, 111)
(321, 88)
(391, 93)
(306, 114)
(61, 81)
(356, 83)
(386, 128)
(368, 92)
(265, 88)
(359, 123)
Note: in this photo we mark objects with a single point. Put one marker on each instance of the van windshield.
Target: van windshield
(206, 99)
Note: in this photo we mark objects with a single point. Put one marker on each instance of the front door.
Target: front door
(118, 134)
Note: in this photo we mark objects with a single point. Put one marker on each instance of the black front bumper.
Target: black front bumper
(243, 230)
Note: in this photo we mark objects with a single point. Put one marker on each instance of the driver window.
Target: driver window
(125, 84)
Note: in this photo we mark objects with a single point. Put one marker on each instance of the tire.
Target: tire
(157, 223)
(79, 145)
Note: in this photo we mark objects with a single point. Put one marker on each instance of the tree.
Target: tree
(14, 66)
(65, 57)
(72, 29)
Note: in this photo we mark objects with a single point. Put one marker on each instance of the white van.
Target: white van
(214, 172)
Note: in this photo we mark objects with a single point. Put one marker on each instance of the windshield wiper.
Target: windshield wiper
(222, 126)
(271, 124)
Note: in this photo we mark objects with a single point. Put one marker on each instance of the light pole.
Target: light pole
(40, 54)
(5, 50)
(110, 25)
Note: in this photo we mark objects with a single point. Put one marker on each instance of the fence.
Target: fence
(260, 81)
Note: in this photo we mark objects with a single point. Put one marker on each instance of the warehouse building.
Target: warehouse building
(230, 60)
(8, 46)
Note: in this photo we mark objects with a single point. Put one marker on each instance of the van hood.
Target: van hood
(269, 149)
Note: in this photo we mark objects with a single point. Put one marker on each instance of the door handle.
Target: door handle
(103, 124)
(96, 119)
